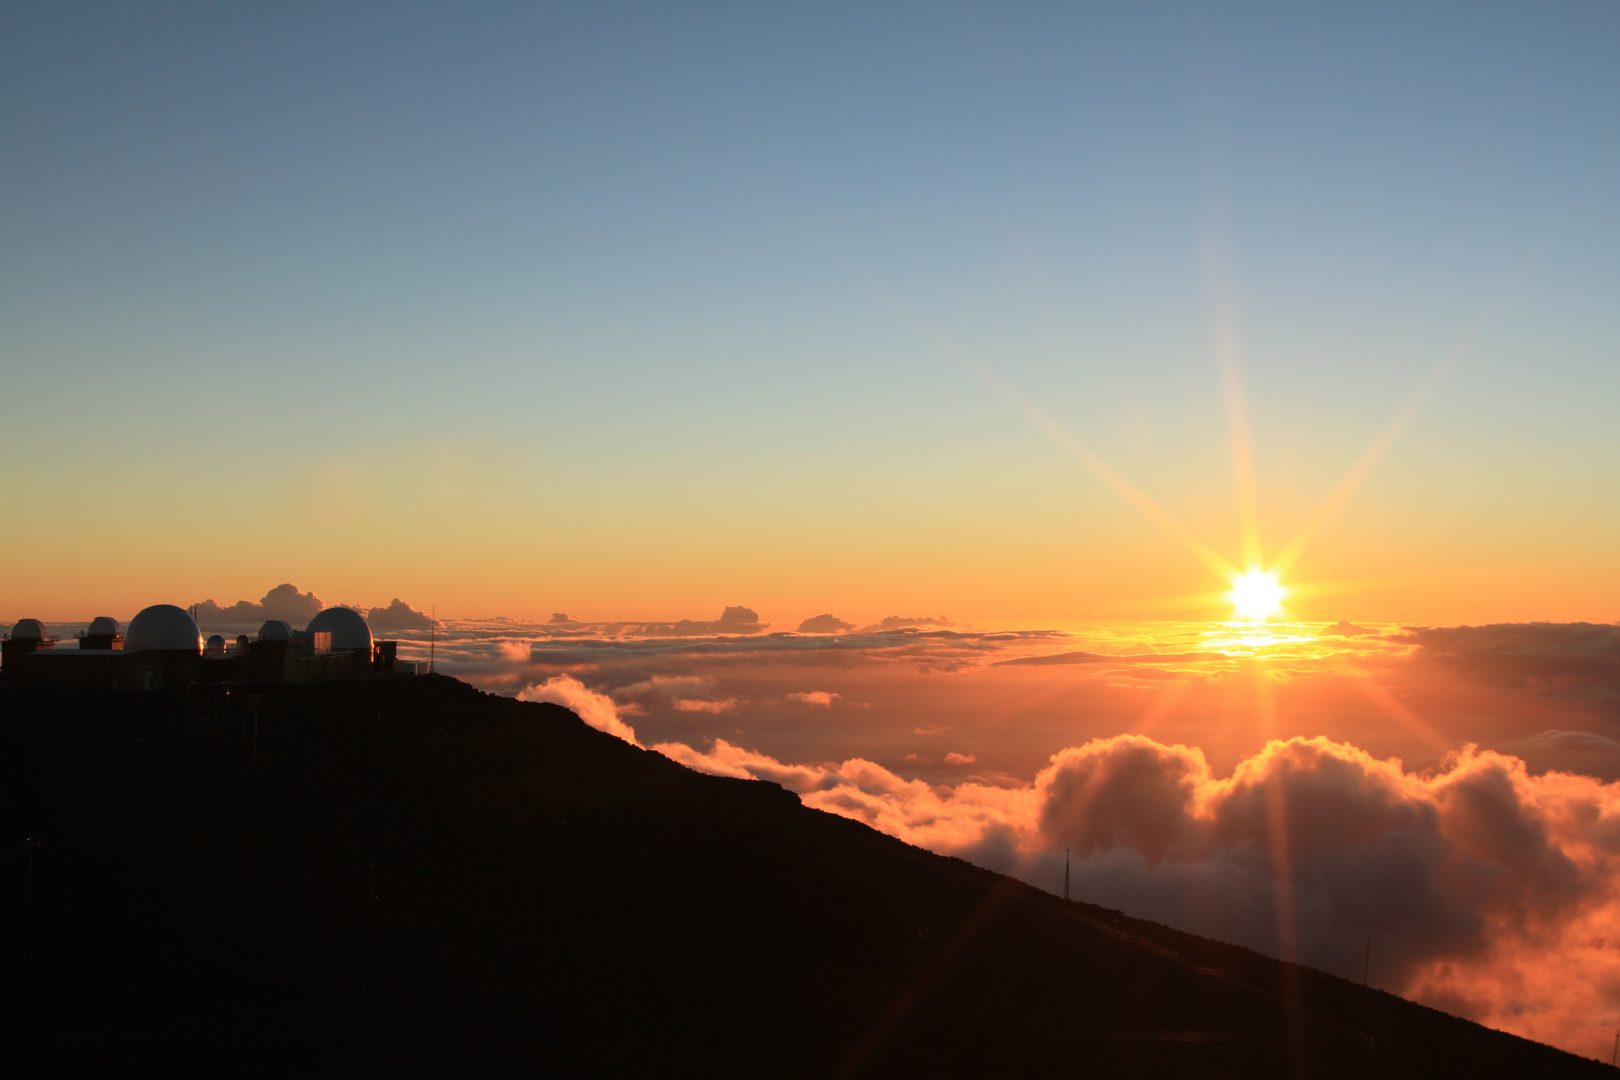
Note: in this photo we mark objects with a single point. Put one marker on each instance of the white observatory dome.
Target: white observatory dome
(275, 630)
(102, 625)
(28, 630)
(163, 626)
(347, 626)
(215, 646)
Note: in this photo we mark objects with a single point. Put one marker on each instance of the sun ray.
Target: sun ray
(1403, 714)
(1111, 476)
(1229, 353)
(1082, 453)
(1363, 466)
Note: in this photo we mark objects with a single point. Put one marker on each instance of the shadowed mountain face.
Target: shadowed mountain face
(409, 876)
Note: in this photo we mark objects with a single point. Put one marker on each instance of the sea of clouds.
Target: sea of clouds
(1449, 793)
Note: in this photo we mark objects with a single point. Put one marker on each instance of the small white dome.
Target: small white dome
(216, 644)
(275, 630)
(102, 625)
(163, 626)
(28, 630)
(347, 626)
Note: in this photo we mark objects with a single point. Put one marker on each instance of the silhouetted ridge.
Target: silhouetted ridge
(414, 877)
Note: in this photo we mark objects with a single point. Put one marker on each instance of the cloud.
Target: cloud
(298, 608)
(954, 758)
(732, 620)
(1575, 662)
(700, 705)
(1346, 629)
(1101, 658)
(824, 698)
(825, 624)
(399, 616)
(282, 602)
(597, 710)
(905, 622)
(1583, 753)
(683, 693)
(667, 686)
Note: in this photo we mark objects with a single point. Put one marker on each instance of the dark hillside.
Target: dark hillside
(414, 877)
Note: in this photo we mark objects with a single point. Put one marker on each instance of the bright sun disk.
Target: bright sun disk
(1256, 595)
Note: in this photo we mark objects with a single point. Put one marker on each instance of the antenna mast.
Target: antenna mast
(433, 635)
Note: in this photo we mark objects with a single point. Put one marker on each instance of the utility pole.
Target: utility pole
(1065, 873)
(1366, 961)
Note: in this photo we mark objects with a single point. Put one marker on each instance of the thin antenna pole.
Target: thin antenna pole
(1366, 962)
(1065, 873)
(433, 635)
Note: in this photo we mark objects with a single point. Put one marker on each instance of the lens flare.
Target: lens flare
(1256, 595)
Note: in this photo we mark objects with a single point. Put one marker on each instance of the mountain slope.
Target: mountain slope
(413, 877)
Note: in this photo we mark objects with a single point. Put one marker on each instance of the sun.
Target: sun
(1256, 595)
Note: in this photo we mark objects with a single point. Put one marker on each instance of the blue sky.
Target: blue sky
(674, 266)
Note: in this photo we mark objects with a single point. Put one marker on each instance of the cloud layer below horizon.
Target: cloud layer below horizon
(1292, 789)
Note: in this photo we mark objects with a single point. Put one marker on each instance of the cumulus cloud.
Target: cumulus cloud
(597, 710)
(824, 698)
(953, 758)
(399, 615)
(282, 602)
(825, 624)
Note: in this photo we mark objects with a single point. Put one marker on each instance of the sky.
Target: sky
(878, 399)
(638, 311)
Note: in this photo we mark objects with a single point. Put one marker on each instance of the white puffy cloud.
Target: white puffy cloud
(597, 710)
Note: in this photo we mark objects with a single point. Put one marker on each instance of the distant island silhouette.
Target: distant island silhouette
(408, 876)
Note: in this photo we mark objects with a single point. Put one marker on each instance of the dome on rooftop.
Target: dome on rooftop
(28, 630)
(346, 625)
(102, 625)
(275, 630)
(163, 626)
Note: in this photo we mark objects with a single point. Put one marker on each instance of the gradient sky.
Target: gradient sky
(635, 311)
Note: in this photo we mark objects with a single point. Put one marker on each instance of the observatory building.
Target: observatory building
(163, 646)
